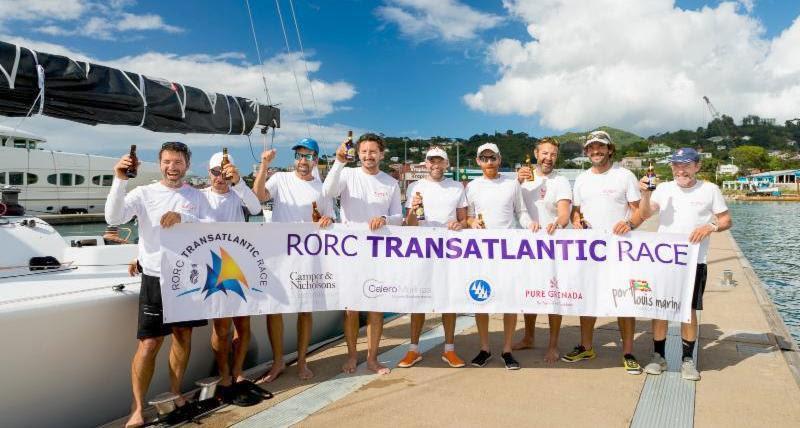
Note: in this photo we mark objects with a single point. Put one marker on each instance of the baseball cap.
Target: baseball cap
(685, 155)
(307, 143)
(601, 137)
(436, 152)
(216, 160)
(488, 146)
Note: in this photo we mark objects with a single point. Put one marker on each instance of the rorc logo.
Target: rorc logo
(480, 290)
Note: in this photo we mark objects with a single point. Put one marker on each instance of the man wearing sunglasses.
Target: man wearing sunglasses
(607, 197)
(445, 205)
(372, 197)
(227, 197)
(495, 202)
(156, 206)
(293, 194)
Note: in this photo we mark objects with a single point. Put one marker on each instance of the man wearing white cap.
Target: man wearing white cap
(547, 196)
(605, 197)
(293, 194)
(227, 196)
(444, 204)
(495, 202)
(685, 205)
(371, 197)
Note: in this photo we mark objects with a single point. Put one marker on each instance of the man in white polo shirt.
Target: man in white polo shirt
(293, 194)
(605, 197)
(495, 202)
(547, 198)
(444, 204)
(685, 205)
(372, 197)
(227, 197)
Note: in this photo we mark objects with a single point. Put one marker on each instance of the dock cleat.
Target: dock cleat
(631, 365)
(657, 365)
(410, 359)
(579, 353)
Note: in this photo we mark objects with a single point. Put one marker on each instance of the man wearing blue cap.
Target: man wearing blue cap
(294, 194)
(685, 205)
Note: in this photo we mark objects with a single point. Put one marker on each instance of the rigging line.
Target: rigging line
(258, 51)
(289, 51)
(305, 63)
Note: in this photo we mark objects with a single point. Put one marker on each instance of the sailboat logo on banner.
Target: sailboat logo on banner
(224, 275)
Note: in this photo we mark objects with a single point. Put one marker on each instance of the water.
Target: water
(769, 237)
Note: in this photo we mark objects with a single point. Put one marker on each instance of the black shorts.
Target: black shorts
(699, 286)
(151, 319)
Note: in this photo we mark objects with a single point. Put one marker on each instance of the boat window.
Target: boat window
(79, 179)
(20, 144)
(52, 179)
(107, 180)
(96, 180)
(32, 178)
(2, 178)
(65, 179)
(15, 178)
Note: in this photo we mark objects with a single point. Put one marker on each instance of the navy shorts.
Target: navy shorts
(151, 319)
(699, 286)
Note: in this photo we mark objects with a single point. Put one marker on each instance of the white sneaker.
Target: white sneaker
(689, 371)
(657, 365)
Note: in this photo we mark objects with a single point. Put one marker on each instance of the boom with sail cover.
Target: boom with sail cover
(40, 83)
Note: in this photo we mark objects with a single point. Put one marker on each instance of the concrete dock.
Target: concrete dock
(748, 362)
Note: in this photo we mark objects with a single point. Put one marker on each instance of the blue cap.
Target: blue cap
(307, 143)
(685, 155)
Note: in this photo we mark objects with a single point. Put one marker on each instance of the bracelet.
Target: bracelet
(714, 227)
(559, 226)
(630, 224)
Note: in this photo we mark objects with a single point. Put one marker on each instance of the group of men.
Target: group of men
(605, 197)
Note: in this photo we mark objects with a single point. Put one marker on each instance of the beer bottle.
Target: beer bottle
(651, 177)
(420, 212)
(480, 220)
(315, 214)
(133, 168)
(584, 223)
(530, 166)
(350, 148)
(225, 161)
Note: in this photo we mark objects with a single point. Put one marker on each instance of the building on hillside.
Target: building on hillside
(580, 160)
(721, 147)
(632, 162)
(729, 169)
(658, 149)
(791, 143)
(746, 138)
(705, 155)
(716, 139)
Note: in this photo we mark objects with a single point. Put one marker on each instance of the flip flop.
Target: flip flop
(254, 389)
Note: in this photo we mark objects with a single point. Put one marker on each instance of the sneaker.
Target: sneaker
(688, 370)
(577, 354)
(509, 361)
(410, 359)
(452, 359)
(657, 365)
(482, 358)
(631, 365)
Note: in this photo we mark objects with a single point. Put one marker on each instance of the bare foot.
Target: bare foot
(349, 366)
(273, 373)
(525, 343)
(180, 401)
(551, 356)
(378, 368)
(304, 373)
(136, 420)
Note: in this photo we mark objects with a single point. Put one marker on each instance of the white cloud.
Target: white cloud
(430, 19)
(26, 10)
(130, 22)
(640, 65)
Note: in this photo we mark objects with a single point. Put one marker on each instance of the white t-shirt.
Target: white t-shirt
(681, 210)
(148, 203)
(364, 196)
(227, 206)
(499, 200)
(541, 196)
(292, 198)
(603, 198)
(440, 200)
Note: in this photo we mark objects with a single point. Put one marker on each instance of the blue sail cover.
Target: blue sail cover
(40, 83)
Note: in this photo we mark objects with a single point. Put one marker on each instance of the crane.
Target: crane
(718, 118)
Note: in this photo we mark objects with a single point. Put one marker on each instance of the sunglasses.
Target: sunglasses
(487, 159)
(307, 156)
(216, 172)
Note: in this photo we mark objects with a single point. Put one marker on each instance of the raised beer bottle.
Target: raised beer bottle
(350, 148)
(530, 166)
(225, 161)
(480, 220)
(584, 224)
(134, 166)
(651, 177)
(315, 214)
(420, 212)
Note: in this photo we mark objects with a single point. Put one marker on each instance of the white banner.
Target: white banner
(234, 269)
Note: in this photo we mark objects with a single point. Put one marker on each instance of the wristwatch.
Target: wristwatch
(630, 224)
(559, 226)
(714, 227)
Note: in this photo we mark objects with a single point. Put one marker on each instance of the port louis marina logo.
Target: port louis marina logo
(224, 273)
(641, 293)
(553, 294)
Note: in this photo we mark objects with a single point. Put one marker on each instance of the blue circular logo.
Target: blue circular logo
(480, 290)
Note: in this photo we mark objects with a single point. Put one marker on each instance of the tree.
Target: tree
(750, 157)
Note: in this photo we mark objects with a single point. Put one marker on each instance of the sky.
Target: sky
(421, 68)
